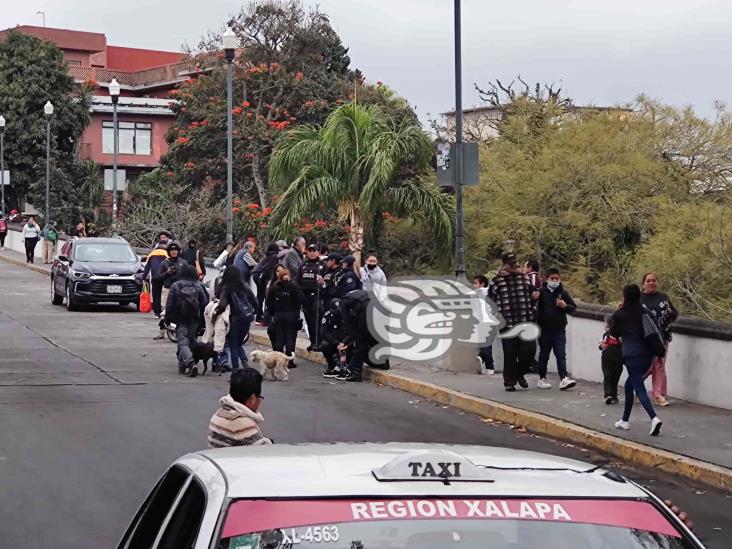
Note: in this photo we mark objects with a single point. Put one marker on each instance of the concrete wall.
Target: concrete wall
(16, 242)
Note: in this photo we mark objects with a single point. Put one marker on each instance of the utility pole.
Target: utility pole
(459, 223)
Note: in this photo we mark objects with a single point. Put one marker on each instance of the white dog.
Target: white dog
(273, 362)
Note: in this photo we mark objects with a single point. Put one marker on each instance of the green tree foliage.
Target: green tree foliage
(606, 195)
(33, 71)
(353, 164)
(292, 69)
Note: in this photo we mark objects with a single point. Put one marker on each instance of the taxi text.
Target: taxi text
(491, 509)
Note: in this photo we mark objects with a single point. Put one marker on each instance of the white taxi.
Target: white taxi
(398, 496)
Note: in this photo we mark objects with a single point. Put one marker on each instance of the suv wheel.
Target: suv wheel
(55, 298)
(70, 303)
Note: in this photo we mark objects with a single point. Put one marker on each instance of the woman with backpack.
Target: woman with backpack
(627, 324)
(50, 237)
(242, 303)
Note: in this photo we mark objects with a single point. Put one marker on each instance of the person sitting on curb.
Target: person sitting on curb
(555, 304)
(185, 308)
(237, 421)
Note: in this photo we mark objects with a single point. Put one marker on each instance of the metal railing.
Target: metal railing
(144, 78)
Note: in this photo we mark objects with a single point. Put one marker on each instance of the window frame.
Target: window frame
(191, 481)
(136, 126)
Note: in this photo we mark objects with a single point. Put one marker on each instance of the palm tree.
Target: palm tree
(356, 163)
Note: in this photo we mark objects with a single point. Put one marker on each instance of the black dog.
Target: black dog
(203, 352)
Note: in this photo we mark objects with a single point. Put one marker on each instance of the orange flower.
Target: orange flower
(182, 140)
(235, 210)
(267, 211)
(253, 206)
(236, 110)
(246, 104)
(189, 165)
(204, 122)
(298, 76)
(170, 173)
(320, 224)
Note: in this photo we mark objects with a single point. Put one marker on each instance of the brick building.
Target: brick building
(146, 78)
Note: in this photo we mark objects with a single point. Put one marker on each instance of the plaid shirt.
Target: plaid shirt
(511, 292)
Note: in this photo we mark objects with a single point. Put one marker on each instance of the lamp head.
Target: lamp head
(229, 39)
(48, 108)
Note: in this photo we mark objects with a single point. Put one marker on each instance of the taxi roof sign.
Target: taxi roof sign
(431, 465)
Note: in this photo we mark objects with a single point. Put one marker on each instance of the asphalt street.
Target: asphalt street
(92, 411)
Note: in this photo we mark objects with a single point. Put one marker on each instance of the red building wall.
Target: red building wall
(91, 142)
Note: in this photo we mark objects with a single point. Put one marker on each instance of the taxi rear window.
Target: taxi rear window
(443, 523)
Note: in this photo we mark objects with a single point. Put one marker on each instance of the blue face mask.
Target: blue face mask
(552, 285)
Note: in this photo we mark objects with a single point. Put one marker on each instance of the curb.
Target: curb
(18, 263)
(634, 453)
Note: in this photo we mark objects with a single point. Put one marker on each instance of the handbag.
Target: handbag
(652, 334)
(145, 300)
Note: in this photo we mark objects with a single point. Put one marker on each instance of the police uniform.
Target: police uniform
(332, 332)
(308, 282)
(330, 278)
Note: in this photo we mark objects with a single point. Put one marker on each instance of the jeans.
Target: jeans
(284, 328)
(637, 366)
(238, 330)
(553, 341)
(486, 355)
(225, 357)
(30, 249)
(186, 340)
(517, 357)
(157, 296)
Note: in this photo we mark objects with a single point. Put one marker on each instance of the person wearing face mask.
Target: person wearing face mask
(554, 305)
(371, 273)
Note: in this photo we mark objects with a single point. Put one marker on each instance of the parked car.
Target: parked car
(96, 270)
(388, 496)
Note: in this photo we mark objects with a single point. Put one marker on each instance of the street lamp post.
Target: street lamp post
(459, 227)
(114, 89)
(2, 164)
(48, 111)
(229, 40)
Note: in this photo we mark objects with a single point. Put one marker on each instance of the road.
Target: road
(92, 412)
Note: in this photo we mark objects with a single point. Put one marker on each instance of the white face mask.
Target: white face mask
(552, 285)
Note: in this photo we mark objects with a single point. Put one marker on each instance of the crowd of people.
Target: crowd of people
(32, 234)
(289, 284)
(636, 336)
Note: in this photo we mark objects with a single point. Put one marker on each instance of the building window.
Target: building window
(134, 138)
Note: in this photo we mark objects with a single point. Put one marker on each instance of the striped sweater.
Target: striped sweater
(234, 424)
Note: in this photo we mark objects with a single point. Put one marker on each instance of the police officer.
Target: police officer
(348, 279)
(330, 277)
(310, 280)
(332, 333)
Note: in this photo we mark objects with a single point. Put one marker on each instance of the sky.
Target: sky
(601, 52)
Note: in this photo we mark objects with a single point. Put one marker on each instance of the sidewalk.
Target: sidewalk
(696, 441)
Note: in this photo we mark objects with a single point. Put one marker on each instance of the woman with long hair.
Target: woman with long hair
(242, 303)
(285, 300)
(233, 251)
(627, 324)
(664, 313)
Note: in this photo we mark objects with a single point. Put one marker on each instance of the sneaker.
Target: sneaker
(291, 365)
(490, 371)
(510, 388)
(193, 371)
(656, 424)
(481, 365)
(343, 375)
(523, 383)
(566, 383)
(624, 425)
(543, 384)
(354, 378)
(608, 400)
(615, 400)
(661, 401)
(332, 372)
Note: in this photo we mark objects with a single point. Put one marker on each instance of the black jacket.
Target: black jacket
(285, 297)
(330, 277)
(266, 266)
(170, 269)
(354, 307)
(348, 281)
(332, 328)
(193, 254)
(551, 317)
(171, 306)
(307, 276)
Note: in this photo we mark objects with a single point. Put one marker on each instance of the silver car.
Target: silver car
(398, 496)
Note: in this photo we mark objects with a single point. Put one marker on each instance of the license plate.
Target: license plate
(114, 289)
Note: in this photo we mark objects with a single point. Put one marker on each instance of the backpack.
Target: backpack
(354, 305)
(189, 309)
(51, 235)
(240, 308)
(652, 334)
